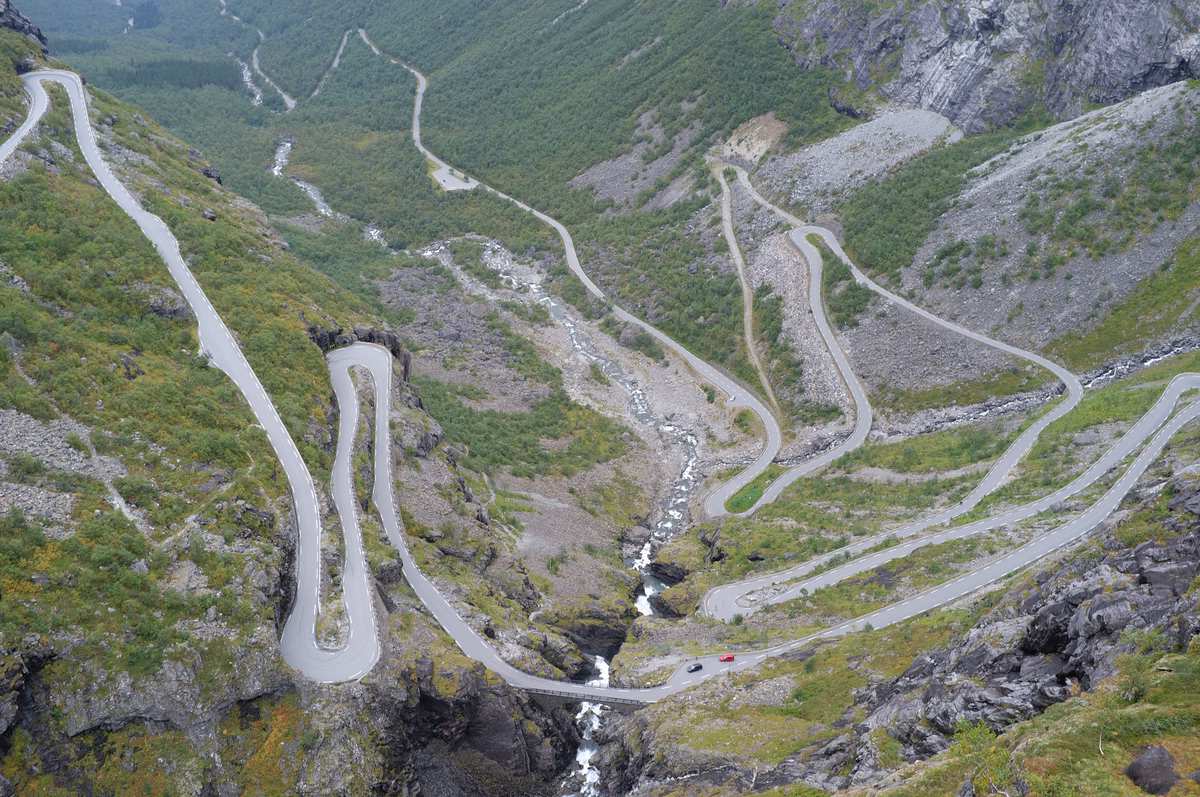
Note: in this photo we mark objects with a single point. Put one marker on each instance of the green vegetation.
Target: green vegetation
(886, 222)
(783, 364)
(1093, 210)
(358, 265)
(815, 515)
(84, 342)
(845, 299)
(596, 373)
(94, 562)
(468, 255)
(1056, 457)
(946, 450)
(352, 140)
(748, 496)
(956, 264)
(656, 258)
(865, 592)
(822, 689)
(1004, 382)
(1163, 301)
(483, 115)
(635, 338)
(14, 49)
(1089, 739)
(185, 73)
(523, 356)
(514, 440)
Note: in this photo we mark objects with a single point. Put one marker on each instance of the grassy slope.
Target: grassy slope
(91, 275)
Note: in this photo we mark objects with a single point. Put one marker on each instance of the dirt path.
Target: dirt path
(735, 252)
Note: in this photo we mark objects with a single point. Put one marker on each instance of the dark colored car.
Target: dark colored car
(726, 657)
(695, 667)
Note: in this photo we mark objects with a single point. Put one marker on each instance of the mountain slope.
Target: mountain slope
(147, 531)
(983, 63)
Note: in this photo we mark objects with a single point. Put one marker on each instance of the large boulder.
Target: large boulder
(1153, 771)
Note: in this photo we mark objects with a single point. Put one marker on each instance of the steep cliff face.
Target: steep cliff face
(984, 62)
(13, 19)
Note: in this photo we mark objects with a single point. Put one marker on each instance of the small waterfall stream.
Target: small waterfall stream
(283, 154)
(588, 719)
(672, 516)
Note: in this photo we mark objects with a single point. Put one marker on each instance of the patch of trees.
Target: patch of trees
(188, 73)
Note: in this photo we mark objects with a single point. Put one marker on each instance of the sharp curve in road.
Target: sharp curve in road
(218, 344)
(729, 600)
(361, 648)
(737, 395)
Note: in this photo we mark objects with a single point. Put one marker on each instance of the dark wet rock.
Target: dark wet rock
(130, 366)
(1153, 771)
(1048, 629)
(596, 630)
(327, 339)
(390, 573)
(668, 572)
(636, 535)
(167, 303)
(711, 539)
(212, 173)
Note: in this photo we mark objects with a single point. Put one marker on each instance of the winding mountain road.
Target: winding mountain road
(735, 252)
(361, 649)
(728, 600)
(218, 344)
(737, 395)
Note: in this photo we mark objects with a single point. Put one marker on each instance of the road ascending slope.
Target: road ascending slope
(732, 599)
(362, 648)
(735, 252)
(736, 394)
(300, 649)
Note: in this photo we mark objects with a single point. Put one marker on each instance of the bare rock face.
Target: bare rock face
(982, 63)
(13, 19)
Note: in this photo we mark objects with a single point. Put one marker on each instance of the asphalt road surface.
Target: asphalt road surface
(362, 647)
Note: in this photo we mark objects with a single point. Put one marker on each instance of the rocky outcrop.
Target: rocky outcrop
(983, 63)
(328, 339)
(1065, 631)
(13, 19)
(1057, 633)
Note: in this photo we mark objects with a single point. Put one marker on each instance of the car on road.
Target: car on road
(695, 667)
(726, 658)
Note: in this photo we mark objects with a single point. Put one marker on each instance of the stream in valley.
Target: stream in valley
(283, 154)
(673, 508)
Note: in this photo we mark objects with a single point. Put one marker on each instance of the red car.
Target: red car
(726, 657)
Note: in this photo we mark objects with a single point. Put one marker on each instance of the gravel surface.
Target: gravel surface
(818, 176)
(624, 177)
(20, 433)
(1080, 292)
(894, 349)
